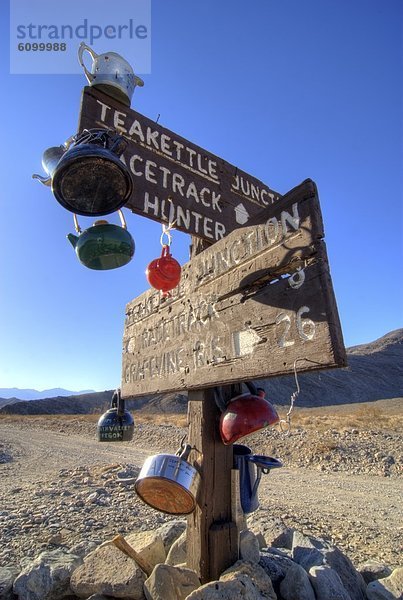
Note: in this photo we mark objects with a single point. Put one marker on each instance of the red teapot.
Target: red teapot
(164, 273)
(245, 414)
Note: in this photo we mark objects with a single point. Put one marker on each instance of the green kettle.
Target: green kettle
(104, 245)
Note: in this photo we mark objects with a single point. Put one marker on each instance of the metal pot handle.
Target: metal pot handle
(81, 49)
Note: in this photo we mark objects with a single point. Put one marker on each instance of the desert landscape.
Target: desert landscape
(341, 479)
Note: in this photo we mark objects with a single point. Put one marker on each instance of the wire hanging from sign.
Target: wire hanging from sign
(285, 424)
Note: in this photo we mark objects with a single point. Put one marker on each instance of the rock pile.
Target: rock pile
(283, 565)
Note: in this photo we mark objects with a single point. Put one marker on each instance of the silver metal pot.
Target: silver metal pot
(169, 483)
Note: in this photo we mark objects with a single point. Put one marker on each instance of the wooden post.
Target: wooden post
(212, 536)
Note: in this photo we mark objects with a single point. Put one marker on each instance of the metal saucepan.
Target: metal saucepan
(168, 483)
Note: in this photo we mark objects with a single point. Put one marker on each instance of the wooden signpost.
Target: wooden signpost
(256, 299)
(175, 180)
(246, 308)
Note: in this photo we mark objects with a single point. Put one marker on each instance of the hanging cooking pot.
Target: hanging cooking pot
(110, 73)
(86, 174)
(245, 414)
(251, 466)
(168, 483)
(164, 273)
(116, 425)
(104, 245)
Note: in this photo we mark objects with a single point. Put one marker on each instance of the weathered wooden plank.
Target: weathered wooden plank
(247, 307)
(174, 179)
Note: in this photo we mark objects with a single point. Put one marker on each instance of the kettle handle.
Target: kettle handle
(219, 398)
(78, 228)
(121, 403)
(122, 219)
(118, 402)
(251, 387)
(76, 225)
(114, 401)
(81, 49)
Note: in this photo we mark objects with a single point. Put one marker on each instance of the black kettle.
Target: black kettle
(117, 424)
(86, 175)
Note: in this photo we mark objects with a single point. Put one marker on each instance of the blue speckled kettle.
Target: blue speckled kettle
(251, 466)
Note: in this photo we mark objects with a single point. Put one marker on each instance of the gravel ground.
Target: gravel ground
(60, 487)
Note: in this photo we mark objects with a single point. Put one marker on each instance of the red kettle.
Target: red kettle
(245, 414)
(164, 273)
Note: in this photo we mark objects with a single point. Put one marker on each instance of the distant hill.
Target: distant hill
(374, 372)
(4, 401)
(92, 402)
(28, 394)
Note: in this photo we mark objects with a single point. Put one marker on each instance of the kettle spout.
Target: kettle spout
(45, 180)
(73, 239)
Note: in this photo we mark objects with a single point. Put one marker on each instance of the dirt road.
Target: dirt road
(46, 477)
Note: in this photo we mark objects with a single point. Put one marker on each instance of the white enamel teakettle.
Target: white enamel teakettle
(111, 73)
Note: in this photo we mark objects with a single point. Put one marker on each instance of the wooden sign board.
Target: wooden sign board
(246, 308)
(175, 180)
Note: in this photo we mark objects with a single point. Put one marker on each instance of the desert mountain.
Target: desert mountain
(29, 394)
(374, 372)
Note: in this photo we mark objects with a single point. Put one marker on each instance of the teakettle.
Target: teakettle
(50, 160)
(164, 273)
(116, 425)
(111, 73)
(104, 245)
(245, 414)
(86, 174)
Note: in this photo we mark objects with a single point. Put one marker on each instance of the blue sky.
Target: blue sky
(284, 90)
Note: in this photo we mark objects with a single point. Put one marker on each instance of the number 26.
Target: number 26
(305, 327)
